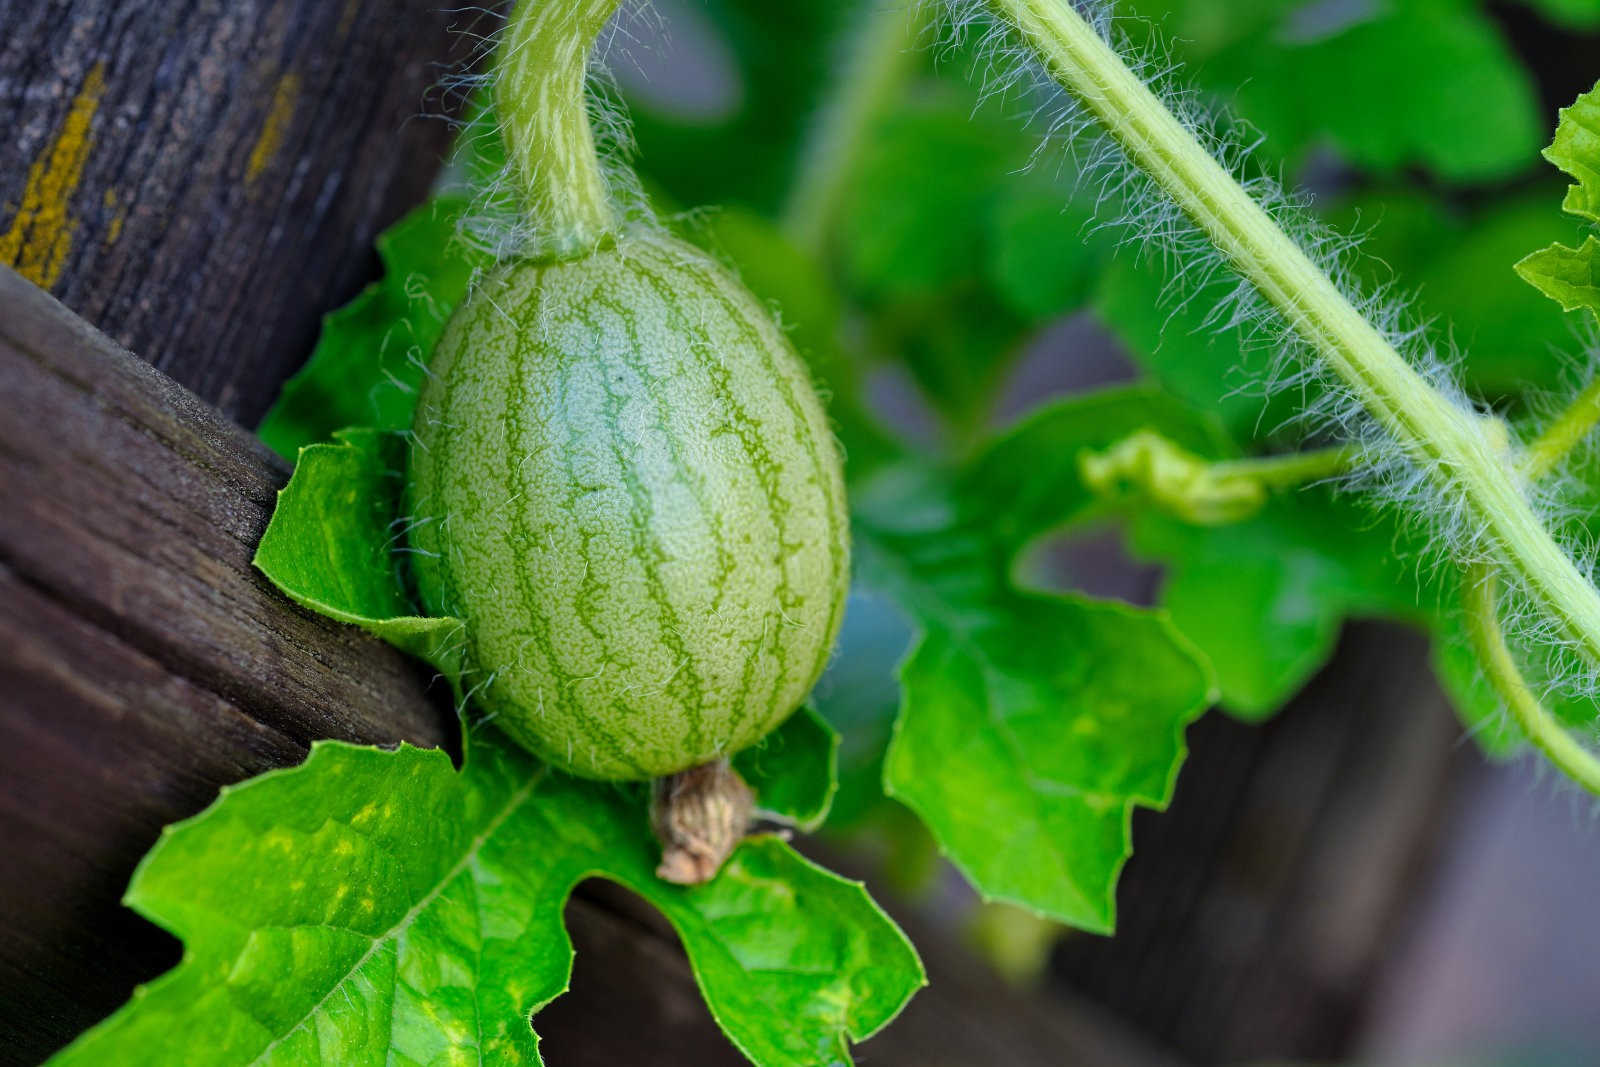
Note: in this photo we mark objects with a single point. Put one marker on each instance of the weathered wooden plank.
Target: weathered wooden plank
(203, 180)
(144, 662)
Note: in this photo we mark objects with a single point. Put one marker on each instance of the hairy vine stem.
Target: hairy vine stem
(540, 68)
(1440, 436)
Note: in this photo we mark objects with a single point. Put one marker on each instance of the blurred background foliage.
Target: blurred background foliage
(957, 273)
(955, 247)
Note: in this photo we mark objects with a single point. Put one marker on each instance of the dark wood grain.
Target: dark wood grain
(145, 662)
(966, 1015)
(1257, 911)
(202, 180)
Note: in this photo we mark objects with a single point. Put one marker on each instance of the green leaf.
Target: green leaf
(1577, 14)
(1030, 732)
(373, 352)
(794, 770)
(377, 906)
(860, 696)
(1569, 276)
(917, 212)
(1045, 256)
(1456, 264)
(330, 545)
(1576, 150)
(1265, 598)
(1428, 82)
(1027, 482)
(1209, 369)
(1200, 29)
(1031, 724)
(1262, 599)
(783, 58)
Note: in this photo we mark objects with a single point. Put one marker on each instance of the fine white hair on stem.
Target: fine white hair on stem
(498, 222)
(1421, 490)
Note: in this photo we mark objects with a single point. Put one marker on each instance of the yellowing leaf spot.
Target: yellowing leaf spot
(41, 233)
(270, 139)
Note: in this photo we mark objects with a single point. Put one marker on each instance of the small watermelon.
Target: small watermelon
(622, 478)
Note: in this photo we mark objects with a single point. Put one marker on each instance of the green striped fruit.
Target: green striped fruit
(622, 479)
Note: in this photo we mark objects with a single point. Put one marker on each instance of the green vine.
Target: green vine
(885, 55)
(1441, 437)
(1480, 598)
(1563, 434)
(1481, 601)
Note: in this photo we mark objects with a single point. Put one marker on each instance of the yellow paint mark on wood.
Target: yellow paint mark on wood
(347, 17)
(279, 113)
(39, 237)
(118, 216)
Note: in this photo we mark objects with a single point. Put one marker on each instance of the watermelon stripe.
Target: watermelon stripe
(752, 438)
(518, 483)
(823, 473)
(643, 513)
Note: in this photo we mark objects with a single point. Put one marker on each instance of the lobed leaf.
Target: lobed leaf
(1261, 600)
(1576, 150)
(794, 770)
(1028, 734)
(1569, 276)
(1332, 74)
(330, 545)
(375, 906)
(1031, 724)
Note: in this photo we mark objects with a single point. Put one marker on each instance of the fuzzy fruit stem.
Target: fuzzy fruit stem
(541, 65)
(1437, 434)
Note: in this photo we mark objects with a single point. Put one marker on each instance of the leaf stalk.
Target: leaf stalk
(883, 59)
(1563, 434)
